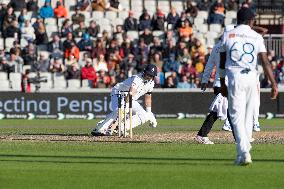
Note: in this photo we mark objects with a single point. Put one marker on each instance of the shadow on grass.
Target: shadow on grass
(121, 159)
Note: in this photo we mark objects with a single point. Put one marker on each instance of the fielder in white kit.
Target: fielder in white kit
(239, 52)
(138, 85)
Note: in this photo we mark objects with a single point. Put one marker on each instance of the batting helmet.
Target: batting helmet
(151, 70)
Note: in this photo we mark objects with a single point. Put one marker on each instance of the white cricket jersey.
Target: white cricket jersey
(137, 83)
(213, 60)
(242, 45)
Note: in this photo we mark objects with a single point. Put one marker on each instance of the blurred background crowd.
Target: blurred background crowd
(95, 44)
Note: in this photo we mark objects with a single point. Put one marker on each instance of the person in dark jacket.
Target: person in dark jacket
(73, 72)
(85, 44)
(32, 5)
(130, 22)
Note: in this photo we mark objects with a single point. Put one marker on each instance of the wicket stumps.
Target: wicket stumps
(124, 98)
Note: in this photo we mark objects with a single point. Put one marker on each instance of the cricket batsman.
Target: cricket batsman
(137, 85)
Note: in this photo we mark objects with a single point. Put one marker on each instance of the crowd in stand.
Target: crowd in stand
(110, 57)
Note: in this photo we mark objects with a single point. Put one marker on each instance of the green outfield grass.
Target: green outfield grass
(28, 164)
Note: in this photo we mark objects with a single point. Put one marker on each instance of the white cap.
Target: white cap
(229, 28)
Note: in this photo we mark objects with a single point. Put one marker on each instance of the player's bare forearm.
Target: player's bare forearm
(132, 91)
(148, 100)
(262, 31)
(268, 72)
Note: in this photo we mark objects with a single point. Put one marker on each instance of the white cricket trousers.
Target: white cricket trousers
(242, 96)
(140, 116)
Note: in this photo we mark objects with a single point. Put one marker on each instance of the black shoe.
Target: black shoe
(94, 133)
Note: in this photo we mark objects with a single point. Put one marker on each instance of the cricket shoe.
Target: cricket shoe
(244, 159)
(226, 128)
(203, 140)
(95, 132)
(256, 127)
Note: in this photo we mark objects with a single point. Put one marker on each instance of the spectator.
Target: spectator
(80, 30)
(141, 54)
(232, 5)
(99, 49)
(73, 72)
(28, 32)
(29, 54)
(37, 23)
(126, 48)
(94, 29)
(68, 41)
(129, 64)
(186, 30)
(145, 22)
(66, 28)
(55, 46)
(249, 4)
(9, 18)
(70, 60)
(217, 16)
(103, 80)
(25, 84)
(209, 50)
(12, 31)
(197, 49)
(3, 9)
(88, 72)
(171, 36)
(46, 11)
(181, 20)
(22, 17)
(171, 64)
(114, 5)
(43, 63)
(204, 5)
(83, 60)
(191, 10)
(188, 69)
(60, 11)
(180, 48)
(101, 64)
(120, 76)
(184, 83)
(130, 23)
(72, 50)
(77, 17)
(85, 44)
(147, 36)
(199, 65)
(158, 20)
(41, 35)
(84, 5)
(157, 61)
(99, 5)
(18, 5)
(32, 5)
(172, 19)
(56, 66)
(170, 83)
(156, 47)
(119, 34)
(184, 57)
(114, 61)
(170, 50)
(14, 60)
(5, 67)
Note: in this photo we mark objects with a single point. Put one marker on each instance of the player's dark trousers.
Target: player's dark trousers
(208, 124)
